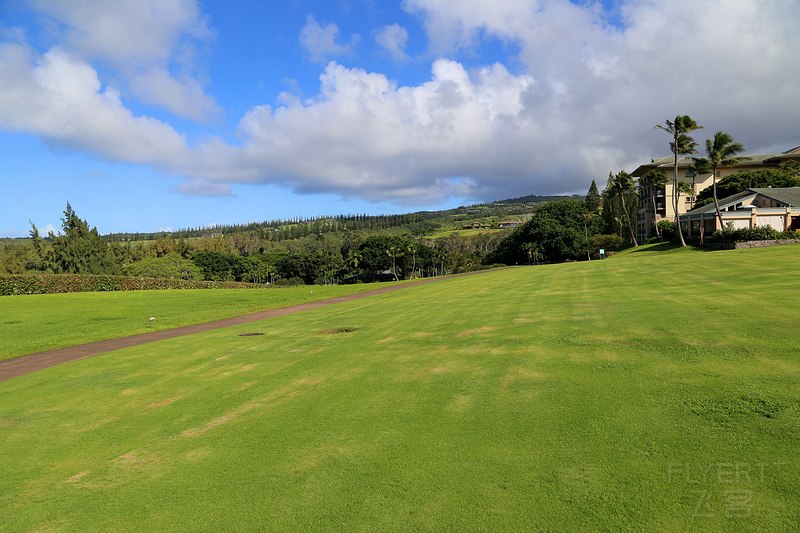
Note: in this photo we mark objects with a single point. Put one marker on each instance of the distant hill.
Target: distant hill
(536, 199)
(420, 222)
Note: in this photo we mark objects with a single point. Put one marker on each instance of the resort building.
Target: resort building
(646, 216)
(778, 208)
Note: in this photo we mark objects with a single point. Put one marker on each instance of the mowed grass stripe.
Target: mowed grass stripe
(35, 323)
(565, 397)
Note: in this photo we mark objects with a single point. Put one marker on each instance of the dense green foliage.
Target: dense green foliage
(61, 283)
(759, 178)
(761, 233)
(319, 257)
(170, 266)
(576, 397)
(554, 233)
(593, 199)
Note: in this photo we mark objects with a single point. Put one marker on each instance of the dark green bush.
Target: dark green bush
(60, 283)
(762, 233)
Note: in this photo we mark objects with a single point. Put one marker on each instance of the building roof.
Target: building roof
(788, 196)
(724, 203)
(756, 160)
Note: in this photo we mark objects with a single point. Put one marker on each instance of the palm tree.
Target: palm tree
(682, 144)
(622, 184)
(700, 166)
(656, 179)
(587, 216)
(394, 252)
(721, 151)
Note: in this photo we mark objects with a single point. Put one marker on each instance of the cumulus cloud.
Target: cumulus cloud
(581, 101)
(393, 38)
(725, 63)
(60, 98)
(148, 43)
(448, 136)
(200, 187)
(322, 42)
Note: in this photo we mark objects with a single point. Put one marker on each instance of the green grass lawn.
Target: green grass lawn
(463, 232)
(652, 391)
(34, 323)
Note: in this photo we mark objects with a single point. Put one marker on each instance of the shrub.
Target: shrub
(667, 229)
(606, 242)
(61, 283)
(761, 233)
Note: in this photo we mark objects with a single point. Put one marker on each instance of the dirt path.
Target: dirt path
(25, 364)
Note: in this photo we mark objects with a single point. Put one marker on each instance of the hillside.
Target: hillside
(419, 222)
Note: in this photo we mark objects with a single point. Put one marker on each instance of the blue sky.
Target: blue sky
(151, 115)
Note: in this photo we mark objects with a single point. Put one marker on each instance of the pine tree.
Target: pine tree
(593, 199)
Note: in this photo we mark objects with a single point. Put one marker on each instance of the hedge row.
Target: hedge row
(57, 283)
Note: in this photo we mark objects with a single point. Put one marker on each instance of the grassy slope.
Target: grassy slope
(585, 396)
(34, 323)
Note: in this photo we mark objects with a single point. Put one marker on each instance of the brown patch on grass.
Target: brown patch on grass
(523, 320)
(422, 334)
(133, 458)
(437, 370)
(387, 339)
(273, 399)
(334, 331)
(312, 459)
(127, 392)
(227, 417)
(165, 402)
(247, 385)
(459, 403)
(197, 454)
(476, 330)
(76, 477)
(5, 422)
(517, 372)
(221, 358)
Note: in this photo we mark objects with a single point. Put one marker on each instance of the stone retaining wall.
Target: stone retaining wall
(747, 244)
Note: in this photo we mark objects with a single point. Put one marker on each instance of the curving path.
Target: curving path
(25, 364)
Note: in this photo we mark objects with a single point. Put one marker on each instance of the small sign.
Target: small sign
(602, 251)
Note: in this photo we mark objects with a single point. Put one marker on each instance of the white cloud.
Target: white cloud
(731, 65)
(184, 98)
(584, 102)
(200, 187)
(321, 42)
(393, 38)
(13, 232)
(148, 43)
(59, 97)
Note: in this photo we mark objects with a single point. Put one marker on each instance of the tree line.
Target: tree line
(346, 256)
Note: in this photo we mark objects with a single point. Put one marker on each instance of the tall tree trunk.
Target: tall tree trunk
(676, 194)
(630, 227)
(716, 202)
(655, 222)
(586, 230)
